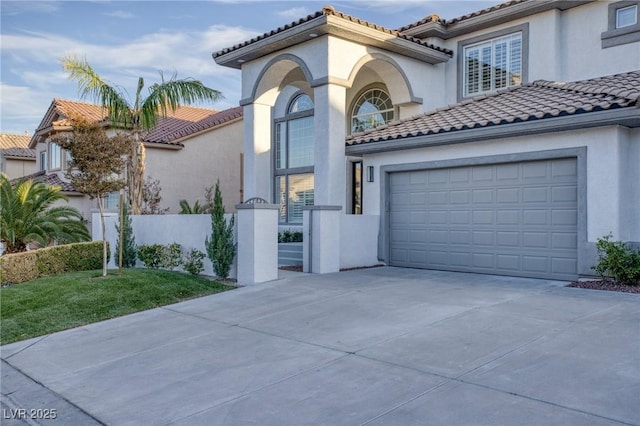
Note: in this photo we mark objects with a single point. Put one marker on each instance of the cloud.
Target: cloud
(119, 14)
(22, 107)
(13, 8)
(294, 13)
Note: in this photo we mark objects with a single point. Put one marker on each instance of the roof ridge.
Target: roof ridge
(595, 86)
(446, 22)
(329, 10)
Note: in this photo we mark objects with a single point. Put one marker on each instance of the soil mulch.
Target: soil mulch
(607, 285)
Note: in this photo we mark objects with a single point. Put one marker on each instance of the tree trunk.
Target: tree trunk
(135, 173)
(104, 239)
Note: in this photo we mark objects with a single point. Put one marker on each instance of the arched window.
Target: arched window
(293, 171)
(372, 109)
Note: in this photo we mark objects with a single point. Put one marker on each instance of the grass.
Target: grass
(51, 304)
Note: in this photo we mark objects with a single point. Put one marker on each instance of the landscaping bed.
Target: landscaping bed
(605, 284)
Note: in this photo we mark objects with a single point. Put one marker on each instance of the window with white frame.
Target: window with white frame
(111, 201)
(626, 16)
(293, 171)
(372, 109)
(492, 64)
(55, 156)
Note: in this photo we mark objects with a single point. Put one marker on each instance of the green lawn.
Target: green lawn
(50, 304)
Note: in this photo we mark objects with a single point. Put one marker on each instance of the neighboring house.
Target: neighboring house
(505, 141)
(186, 152)
(16, 159)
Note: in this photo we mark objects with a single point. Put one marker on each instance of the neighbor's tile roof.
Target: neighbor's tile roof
(50, 179)
(165, 131)
(436, 18)
(538, 100)
(330, 11)
(192, 121)
(16, 146)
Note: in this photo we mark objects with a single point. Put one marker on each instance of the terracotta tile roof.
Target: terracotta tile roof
(176, 124)
(535, 101)
(165, 131)
(436, 18)
(50, 179)
(208, 122)
(330, 11)
(16, 146)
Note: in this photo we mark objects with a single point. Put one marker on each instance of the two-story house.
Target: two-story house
(16, 159)
(187, 152)
(505, 141)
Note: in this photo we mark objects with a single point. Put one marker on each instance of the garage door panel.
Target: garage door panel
(513, 219)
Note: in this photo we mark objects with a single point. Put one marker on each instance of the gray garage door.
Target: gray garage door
(509, 219)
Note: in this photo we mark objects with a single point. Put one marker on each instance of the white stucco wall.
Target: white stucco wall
(359, 240)
(187, 230)
(15, 168)
(185, 174)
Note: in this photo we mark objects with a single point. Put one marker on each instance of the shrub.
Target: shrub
(128, 239)
(21, 267)
(193, 262)
(288, 236)
(151, 255)
(159, 256)
(221, 248)
(617, 260)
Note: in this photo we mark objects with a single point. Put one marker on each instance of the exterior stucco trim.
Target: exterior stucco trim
(283, 57)
(584, 249)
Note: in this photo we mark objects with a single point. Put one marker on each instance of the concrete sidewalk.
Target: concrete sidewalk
(382, 346)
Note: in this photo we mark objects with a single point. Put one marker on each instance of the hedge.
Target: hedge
(20, 267)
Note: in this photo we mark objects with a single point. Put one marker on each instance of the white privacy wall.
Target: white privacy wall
(359, 240)
(188, 230)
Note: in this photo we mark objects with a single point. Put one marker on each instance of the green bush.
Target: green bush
(151, 255)
(159, 256)
(617, 260)
(289, 236)
(20, 267)
(193, 262)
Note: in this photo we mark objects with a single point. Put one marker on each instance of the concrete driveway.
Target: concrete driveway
(382, 346)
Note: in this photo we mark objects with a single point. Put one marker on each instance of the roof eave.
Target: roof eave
(628, 117)
(486, 20)
(334, 26)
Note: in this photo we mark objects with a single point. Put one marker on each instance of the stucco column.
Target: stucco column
(321, 242)
(329, 152)
(257, 243)
(257, 151)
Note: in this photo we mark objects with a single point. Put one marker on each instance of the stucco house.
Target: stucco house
(505, 141)
(186, 152)
(16, 159)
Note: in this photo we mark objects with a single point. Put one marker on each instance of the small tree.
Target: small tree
(97, 164)
(221, 248)
(128, 241)
(151, 197)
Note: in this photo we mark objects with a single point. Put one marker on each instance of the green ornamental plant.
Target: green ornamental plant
(129, 251)
(617, 260)
(160, 256)
(193, 262)
(221, 247)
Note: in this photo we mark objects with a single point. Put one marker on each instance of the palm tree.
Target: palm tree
(141, 115)
(197, 208)
(27, 216)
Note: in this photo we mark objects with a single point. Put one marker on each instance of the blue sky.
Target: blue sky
(124, 40)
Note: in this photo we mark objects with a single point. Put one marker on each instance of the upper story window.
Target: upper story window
(493, 61)
(623, 24)
(55, 156)
(626, 16)
(43, 161)
(372, 109)
(293, 172)
(493, 64)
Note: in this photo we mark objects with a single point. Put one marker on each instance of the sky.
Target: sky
(124, 40)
